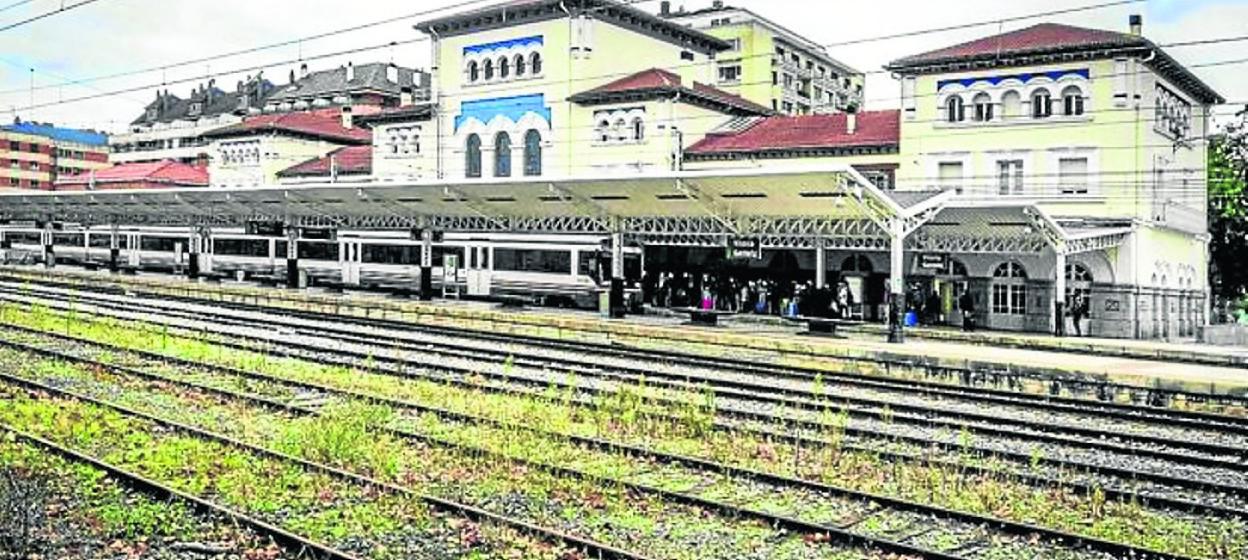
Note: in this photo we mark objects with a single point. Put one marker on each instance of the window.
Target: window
(686, 55)
(621, 129)
(950, 173)
(15, 146)
(955, 110)
(14, 181)
(1011, 104)
(489, 70)
(639, 129)
(535, 63)
(983, 107)
(788, 107)
(1074, 175)
(532, 153)
(472, 156)
(735, 45)
(730, 73)
(1010, 176)
(788, 81)
(520, 66)
(504, 68)
(1041, 104)
(604, 131)
(775, 79)
(34, 166)
(1072, 102)
(1009, 289)
(502, 155)
(474, 71)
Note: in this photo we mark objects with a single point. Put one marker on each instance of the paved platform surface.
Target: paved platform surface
(1187, 366)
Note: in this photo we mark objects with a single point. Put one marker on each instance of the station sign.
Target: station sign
(934, 261)
(745, 248)
(265, 229)
(319, 234)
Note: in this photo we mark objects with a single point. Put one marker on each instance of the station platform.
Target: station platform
(1188, 367)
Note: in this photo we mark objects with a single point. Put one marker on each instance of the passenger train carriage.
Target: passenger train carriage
(563, 270)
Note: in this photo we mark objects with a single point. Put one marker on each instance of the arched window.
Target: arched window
(472, 156)
(502, 155)
(604, 131)
(489, 69)
(535, 63)
(621, 129)
(1041, 104)
(955, 110)
(504, 68)
(639, 129)
(1072, 101)
(532, 153)
(1076, 272)
(474, 71)
(1009, 289)
(1078, 282)
(983, 107)
(520, 65)
(1011, 104)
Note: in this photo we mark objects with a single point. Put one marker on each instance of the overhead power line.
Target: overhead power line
(45, 15)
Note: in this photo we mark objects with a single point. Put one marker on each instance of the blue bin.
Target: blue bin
(912, 319)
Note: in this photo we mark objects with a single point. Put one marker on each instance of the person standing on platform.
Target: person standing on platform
(967, 304)
(1078, 310)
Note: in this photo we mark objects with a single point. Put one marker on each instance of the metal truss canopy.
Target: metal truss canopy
(784, 207)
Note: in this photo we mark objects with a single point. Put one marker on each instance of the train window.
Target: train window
(390, 254)
(318, 251)
(440, 253)
(19, 238)
(161, 244)
(525, 260)
(241, 247)
(104, 241)
(68, 239)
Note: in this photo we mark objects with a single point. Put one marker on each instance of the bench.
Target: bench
(824, 326)
(705, 317)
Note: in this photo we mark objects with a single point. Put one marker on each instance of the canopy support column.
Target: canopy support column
(821, 264)
(196, 245)
(292, 257)
(1059, 294)
(49, 251)
(896, 283)
(114, 247)
(615, 298)
(426, 264)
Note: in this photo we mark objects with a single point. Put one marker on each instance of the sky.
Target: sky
(109, 37)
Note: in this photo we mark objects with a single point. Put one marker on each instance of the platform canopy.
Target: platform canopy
(794, 207)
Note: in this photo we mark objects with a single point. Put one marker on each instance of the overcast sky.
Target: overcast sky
(115, 36)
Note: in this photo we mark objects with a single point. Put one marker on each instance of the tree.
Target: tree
(1228, 211)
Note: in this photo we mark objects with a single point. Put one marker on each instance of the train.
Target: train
(561, 270)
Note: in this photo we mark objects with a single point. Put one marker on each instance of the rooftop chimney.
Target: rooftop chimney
(392, 73)
(303, 70)
(851, 123)
(717, 4)
(665, 8)
(1137, 25)
(348, 121)
(407, 96)
(350, 72)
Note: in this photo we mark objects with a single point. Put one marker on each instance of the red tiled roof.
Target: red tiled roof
(173, 173)
(659, 81)
(1044, 37)
(326, 124)
(352, 160)
(805, 132)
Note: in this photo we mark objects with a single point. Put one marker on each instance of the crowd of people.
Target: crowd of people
(756, 296)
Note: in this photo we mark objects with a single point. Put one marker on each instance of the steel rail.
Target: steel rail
(786, 522)
(918, 415)
(1160, 501)
(476, 514)
(295, 544)
(969, 378)
(1022, 529)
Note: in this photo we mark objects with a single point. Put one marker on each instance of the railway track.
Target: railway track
(983, 384)
(1231, 463)
(1163, 497)
(296, 545)
(961, 535)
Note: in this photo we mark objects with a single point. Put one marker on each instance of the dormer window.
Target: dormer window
(151, 114)
(196, 108)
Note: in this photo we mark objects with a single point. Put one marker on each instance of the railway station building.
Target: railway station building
(1021, 169)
